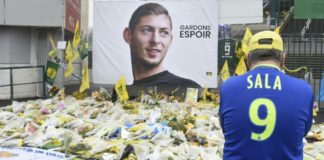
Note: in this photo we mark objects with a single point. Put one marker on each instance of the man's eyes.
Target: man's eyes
(151, 30)
(165, 33)
(147, 30)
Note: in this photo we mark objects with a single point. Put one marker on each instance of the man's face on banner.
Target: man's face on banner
(151, 40)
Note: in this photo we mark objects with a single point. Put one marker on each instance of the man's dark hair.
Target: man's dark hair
(144, 10)
(265, 54)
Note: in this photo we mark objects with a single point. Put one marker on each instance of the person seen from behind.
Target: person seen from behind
(265, 113)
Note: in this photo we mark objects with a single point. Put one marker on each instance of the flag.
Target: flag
(70, 56)
(68, 52)
(205, 94)
(84, 47)
(238, 50)
(241, 68)
(76, 38)
(85, 83)
(277, 30)
(246, 40)
(51, 72)
(120, 88)
(53, 52)
(224, 74)
(71, 52)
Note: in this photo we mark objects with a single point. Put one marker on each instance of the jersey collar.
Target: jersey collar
(266, 66)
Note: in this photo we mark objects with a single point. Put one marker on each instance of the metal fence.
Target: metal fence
(306, 50)
(304, 43)
(12, 84)
(303, 40)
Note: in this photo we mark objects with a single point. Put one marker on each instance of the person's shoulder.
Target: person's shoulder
(187, 82)
(190, 83)
(182, 81)
(298, 83)
(233, 81)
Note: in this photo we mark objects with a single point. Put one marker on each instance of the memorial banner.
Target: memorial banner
(191, 52)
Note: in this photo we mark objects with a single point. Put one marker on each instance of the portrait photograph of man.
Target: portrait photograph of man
(155, 44)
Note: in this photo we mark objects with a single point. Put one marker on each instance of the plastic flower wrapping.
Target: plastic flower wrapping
(152, 127)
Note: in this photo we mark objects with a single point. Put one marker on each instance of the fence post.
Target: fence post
(44, 87)
(273, 13)
(319, 91)
(11, 86)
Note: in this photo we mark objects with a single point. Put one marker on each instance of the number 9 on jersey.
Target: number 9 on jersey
(268, 122)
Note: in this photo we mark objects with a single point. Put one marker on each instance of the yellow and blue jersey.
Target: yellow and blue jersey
(264, 115)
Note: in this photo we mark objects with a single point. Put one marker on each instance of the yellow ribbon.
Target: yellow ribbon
(295, 70)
